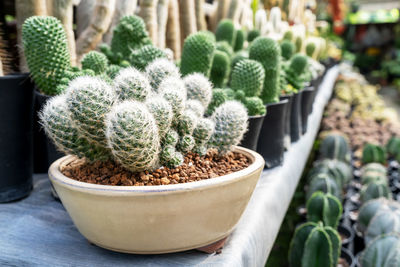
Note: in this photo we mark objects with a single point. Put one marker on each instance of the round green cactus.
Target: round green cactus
(239, 42)
(199, 88)
(324, 207)
(46, 51)
(196, 107)
(248, 75)
(132, 135)
(372, 207)
(384, 251)
(243, 54)
(219, 96)
(162, 113)
(197, 54)
(226, 32)
(186, 143)
(287, 49)
(187, 122)
(158, 70)
(370, 177)
(89, 100)
(373, 190)
(335, 146)
(393, 146)
(373, 153)
(384, 222)
(230, 120)
(252, 35)
(131, 84)
(299, 43)
(223, 46)
(325, 183)
(204, 130)
(373, 167)
(170, 157)
(339, 170)
(95, 61)
(143, 56)
(171, 138)
(288, 36)
(220, 69)
(254, 106)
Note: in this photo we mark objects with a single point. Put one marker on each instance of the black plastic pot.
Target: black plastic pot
(271, 140)
(348, 256)
(44, 151)
(295, 117)
(306, 106)
(16, 115)
(286, 119)
(359, 244)
(347, 232)
(250, 139)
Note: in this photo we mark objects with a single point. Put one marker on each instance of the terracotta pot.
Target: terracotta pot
(158, 219)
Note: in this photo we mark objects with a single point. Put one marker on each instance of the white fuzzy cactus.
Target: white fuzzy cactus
(171, 138)
(186, 143)
(199, 88)
(159, 69)
(170, 157)
(173, 90)
(132, 135)
(230, 120)
(89, 99)
(204, 130)
(162, 113)
(196, 107)
(187, 122)
(131, 84)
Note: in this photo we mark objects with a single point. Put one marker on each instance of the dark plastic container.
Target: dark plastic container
(271, 140)
(16, 116)
(349, 233)
(306, 106)
(348, 256)
(289, 98)
(44, 151)
(250, 139)
(295, 117)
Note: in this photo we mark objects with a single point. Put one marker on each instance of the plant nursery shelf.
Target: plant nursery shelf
(38, 231)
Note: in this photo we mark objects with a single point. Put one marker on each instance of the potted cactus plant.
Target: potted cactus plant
(156, 160)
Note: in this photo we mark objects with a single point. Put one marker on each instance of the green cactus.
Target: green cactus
(130, 34)
(287, 49)
(232, 94)
(170, 157)
(370, 177)
(295, 72)
(288, 36)
(243, 54)
(46, 51)
(173, 90)
(374, 168)
(162, 113)
(187, 123)
(131, 84)
(254, 106)
(340, 171)
(252, 35)
(220, 69)
(58, 125)
(201, 150)
(335, 146)
(226, 32)
(199, 88)
(95, 61)
(223, 46)
(171, 138)
(314, 245)
(267, 51)
(383, 222)
(196, 107)
(248, 75)
(324, 207)
(89, 100)
(230, 120)
(203, 131)
(132, 134)
(372, 207)
(239, 42)
(197, 54)
(373, 190)
(158, 70)
(384, 251)
(373, 153)
(143, 56)
(299, 43)
(186, 143)
(325, 183)
(113, 70)
(310, 49)
(219, 96)
(393, 146)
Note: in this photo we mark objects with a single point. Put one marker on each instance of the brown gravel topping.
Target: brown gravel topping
(194, 168)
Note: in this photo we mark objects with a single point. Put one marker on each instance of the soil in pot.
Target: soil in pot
(250, 139)
(295, 118)
(16, 115)
(194, 168)
(287, 120)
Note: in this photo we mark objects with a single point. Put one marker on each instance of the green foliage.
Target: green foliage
(324, 207)
(335, 146)
(46, 51)
(248, 75)
(287, 49)
(95, 61)
(299, 43)
(220, 69)
(373, 153)
(143, 56)
(243, 54)
(198, 53)
(252, 35)
(384, 251)
(296, 71)
(226, 32)
(288, 36)
(372, 207)
(240, 38)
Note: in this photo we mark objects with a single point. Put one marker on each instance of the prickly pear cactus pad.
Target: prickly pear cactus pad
(46, 51)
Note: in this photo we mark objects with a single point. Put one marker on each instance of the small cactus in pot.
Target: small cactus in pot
(373, 153)
(324, 207)
(383, 251)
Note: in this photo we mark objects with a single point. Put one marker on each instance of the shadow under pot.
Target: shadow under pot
(295, 117)
(44, 151)
(286, 119)
(271, 140)
(16, 115)
(306, 106)
(250, 139)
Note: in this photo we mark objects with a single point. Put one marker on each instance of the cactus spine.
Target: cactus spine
(131, 84)
(324, 207)
(248, 75)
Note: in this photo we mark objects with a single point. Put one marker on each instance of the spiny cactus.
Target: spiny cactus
(46, 51)
(314, 245)
(239, 42)
(201, 150)
(162, 113)
(299, 43)
(373, 153)
(199, 88)
(159, 69)
(243, 54)
(254, 106)
(173, 90)
(248, 75)
(220, 69)
(196, 107)
(95, 61)
(287, 49)
(384, 251)
(187, 122)
(132, 135)
(56, 121)
(186, 143)
(383, 222)
(267, 51)
(324, 207)
(252, 35)
(296, 70)
(170, 157)
(197, 54)
(373, 190)
(113, 70)
(131, 84)
(171, 138)
(226, 32)
(219, 96)
(130, 34)
(89, 100)
(335, 146)
(203, 131)
(143, 56)
(223, 46)
(230, 120)
(325, 183)
(372, 207)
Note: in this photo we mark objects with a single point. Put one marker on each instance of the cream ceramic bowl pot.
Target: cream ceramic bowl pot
(158, 219)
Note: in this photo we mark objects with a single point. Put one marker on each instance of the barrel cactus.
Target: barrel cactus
(226, 32)
(95, 61)
(243, 54)
(46, 51)
(199, 88)
(372, 207)
(335, 146)
(324, 207)
(131, 84)
(373, 153)
(314, 245)
(383, 222)
(325, 183)
(384, 251)
(252, 35)
(248, 75)
(370, 177)
(220, 69)
(373, 168)
(373, 190)
(339, 170)
(159, 69)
